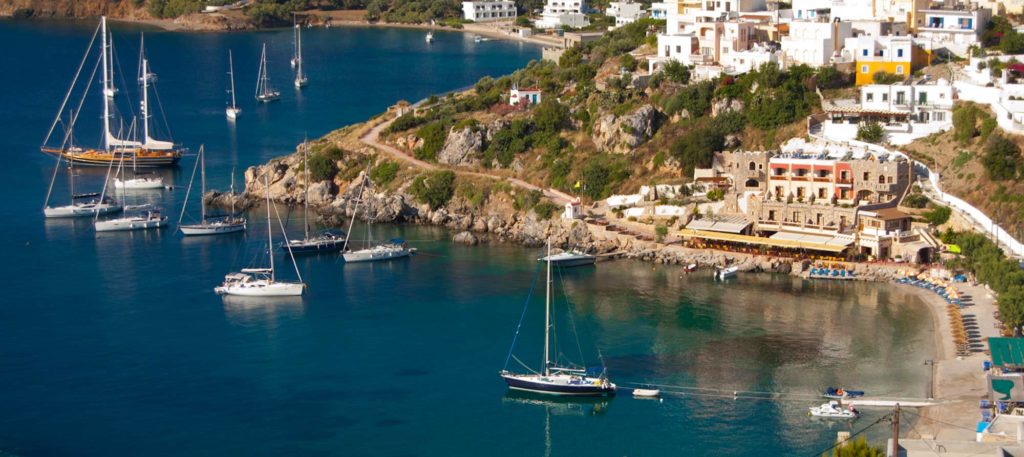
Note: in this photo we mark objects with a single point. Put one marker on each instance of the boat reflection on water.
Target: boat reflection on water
(560, 406)
(244, 308)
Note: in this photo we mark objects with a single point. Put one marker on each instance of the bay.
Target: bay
(114, 344)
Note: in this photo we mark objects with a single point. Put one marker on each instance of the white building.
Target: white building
(526, 95)
(738, 62)
(562, 13)
(681, 47)
(659, 10)
(625, 12)
(906, 111)
(858, 10)
(815, 43)
(953, 29)
(489, 10)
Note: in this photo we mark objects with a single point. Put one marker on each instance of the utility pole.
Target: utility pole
(896, 432)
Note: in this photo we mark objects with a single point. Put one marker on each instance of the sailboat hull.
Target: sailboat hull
(233, 113)
(214, 228)
(272, 289)
(130, 223)
(140, 158)
(140, 184)
(89, 210)
(560, 384)
(374, 254)
(314, 246)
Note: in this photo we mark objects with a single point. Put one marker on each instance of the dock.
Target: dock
(891, 402)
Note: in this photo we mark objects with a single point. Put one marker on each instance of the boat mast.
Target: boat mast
(270, 228)
(145, 101)
(352, 222)
(547, 316)
(202, 184)
(305, 198)
(298, 52)
(231, 71)
(191, 180)
(232, 195)
(106, 104)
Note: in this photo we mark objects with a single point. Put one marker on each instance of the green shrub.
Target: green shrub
(550, 116)
(433, 135)
(676, 72)
(882, 77)
(405, 122)
(434, 189)
(322, 168)
(660, 232)
(916, 201)
(938, 215)
(871, 132)
(627, 62)
(716, 194)
(384, 172)
(545, 209)
(1001, 158)
(965, 120)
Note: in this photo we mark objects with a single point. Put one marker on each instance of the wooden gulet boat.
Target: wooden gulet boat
(147, 153)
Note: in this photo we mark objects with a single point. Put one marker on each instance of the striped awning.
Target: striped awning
(762, 241)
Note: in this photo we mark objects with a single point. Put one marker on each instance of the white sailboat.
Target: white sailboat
(265, 93)
(229, 224)
(138, 181)
(262, 282)
(300, 77)
(232, 111)
(392, 249)
(83, 205)
(145, 219)
(553, 379)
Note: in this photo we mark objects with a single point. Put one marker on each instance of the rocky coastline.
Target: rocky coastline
(496, 220)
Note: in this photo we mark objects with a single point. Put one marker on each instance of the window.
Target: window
(870, 97)
(881, 179)
(885, 97)
(899, 52)
(889, 180)
(864, 53)
(752, 166)
(864, 68)
(821, 192)
(922, 97)
(899, 69)
(938, 116)
(771, 215)
(867, 176)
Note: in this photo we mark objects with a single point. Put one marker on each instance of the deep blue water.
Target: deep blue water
(114, 344)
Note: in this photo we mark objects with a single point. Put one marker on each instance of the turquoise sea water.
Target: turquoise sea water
(114, 344)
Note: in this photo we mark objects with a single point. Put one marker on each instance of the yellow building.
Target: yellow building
(897, 55)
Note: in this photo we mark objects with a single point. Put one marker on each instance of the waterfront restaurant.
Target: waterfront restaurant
(782, 244)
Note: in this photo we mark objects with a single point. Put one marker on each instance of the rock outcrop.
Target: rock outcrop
(621, 134)
(463, 147)
(723, 106)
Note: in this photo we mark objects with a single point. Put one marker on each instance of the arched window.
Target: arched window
(752, 183)
(752, 166)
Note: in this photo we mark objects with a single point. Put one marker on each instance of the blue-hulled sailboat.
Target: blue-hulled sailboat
(553, 379)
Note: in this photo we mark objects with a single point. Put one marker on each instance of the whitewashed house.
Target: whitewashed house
(659, 10)
(907, 110)
(738, 62)
(562, 13)
(526, 95)
(625, 12)
(955, 29)
(489, 10)
(681, 47)
(815, 42)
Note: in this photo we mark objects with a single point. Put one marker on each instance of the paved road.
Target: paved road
(372, 139)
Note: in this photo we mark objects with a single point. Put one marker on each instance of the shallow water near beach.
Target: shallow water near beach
(114, 344)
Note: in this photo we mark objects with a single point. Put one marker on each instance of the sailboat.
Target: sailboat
(146, 218)
(429, 37)
(325, 241)
(262, 282)
(138, 181)
(552, 379)
(82, 205)
(264, 93)
(146, 153)
(232, 111)
(393, 249)
(219, 226)
(300, 77)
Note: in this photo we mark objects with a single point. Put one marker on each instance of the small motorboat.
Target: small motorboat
(690, 268)
(833, 410)
(430, 37)
(646, 393)
(833, 392)
(722, 274)
(570, 259)
(476, 39)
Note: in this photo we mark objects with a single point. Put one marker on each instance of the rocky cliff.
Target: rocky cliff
(115, 9)
(622, 134)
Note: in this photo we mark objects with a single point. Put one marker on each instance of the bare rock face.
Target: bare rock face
(622, 134)
(465, 237)
(463, 147)
(731, 105)
(408, 142)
